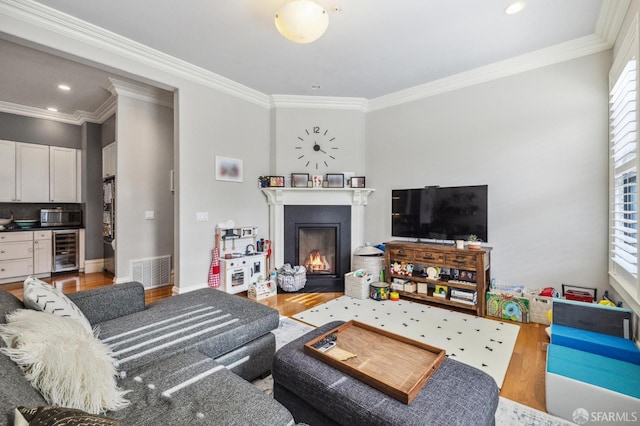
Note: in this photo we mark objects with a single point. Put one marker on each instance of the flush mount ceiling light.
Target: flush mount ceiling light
(64, 87)
(52, 109)
(515, 7)
(302, 21)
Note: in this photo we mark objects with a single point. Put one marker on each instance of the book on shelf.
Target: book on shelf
(459, 300)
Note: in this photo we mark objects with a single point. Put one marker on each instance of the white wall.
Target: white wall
(213, 124)
(144, 134)
(538, 139)
(346, 126)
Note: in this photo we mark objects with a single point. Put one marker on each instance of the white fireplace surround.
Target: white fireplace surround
(277, 198)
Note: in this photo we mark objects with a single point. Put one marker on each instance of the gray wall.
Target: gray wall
(538, 139)
(39, 131)
(92, 189)
(108, 132)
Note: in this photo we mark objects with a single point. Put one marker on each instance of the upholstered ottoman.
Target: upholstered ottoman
(317, 394)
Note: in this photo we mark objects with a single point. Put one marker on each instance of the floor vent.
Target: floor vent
(152, 272)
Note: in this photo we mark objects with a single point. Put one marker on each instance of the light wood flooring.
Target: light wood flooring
(524, 382)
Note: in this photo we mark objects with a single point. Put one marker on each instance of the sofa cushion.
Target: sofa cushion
(8, 304)
(15, 390)
(191, 388)
(59, 416)
(208, 320)
(44, 297)
(65, 362)
(106, 303)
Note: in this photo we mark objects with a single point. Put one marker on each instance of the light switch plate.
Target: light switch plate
(202, 216)
(150, 215)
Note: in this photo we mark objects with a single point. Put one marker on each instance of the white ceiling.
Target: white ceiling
(371, 48)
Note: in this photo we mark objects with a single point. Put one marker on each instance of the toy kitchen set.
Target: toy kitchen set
(241, 264)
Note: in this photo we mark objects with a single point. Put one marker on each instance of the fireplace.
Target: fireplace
(350, 201)
(319, 238)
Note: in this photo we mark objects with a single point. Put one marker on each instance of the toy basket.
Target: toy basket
(291, 278)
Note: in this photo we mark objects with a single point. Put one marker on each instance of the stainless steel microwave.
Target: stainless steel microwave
(60, 217)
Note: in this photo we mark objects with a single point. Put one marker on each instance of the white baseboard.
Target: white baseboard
(93, 265)
(181, 290)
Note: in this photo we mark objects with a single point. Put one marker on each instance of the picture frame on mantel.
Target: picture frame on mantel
(335, 180)
(358, 182)
(229, 169)
(299, 180)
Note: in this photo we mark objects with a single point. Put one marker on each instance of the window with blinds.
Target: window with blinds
(624, 211)
(623, 166)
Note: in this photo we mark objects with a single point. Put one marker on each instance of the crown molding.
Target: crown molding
(319, 102)
(92, 35)
(610, 20)
(143, 93)
(608, 25)
(541, 58)
(78, 118)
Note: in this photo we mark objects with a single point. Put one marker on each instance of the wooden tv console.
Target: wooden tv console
(463, 275)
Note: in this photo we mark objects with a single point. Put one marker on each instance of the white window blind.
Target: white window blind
(623, 169)
(624, 141)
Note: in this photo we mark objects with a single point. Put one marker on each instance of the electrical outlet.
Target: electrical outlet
(202, 216)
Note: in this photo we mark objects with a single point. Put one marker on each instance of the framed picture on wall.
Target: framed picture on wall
(357, 182)
(299, 180)
(335, 180)
(229, 169)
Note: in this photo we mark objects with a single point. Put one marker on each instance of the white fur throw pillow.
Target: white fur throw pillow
(67, 364)
(41, 296)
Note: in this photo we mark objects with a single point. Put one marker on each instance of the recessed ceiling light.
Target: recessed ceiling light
(64, 87)
(52, 109)
(515, 7)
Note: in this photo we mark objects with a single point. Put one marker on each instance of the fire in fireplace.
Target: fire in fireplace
(317, 247)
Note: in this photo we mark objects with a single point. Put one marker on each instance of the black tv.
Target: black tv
(440, 213)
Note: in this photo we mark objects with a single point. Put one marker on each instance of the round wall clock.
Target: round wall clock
(316, 148)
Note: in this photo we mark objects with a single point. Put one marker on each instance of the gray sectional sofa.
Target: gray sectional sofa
(186, 359)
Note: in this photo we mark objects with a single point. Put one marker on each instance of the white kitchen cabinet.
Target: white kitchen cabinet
(16, 254)
(109, 155)
(7, 171)
(32, 173)
(42, 251)
(63, 171)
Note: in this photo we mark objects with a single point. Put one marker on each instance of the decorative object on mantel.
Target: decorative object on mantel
(335, 180)
(317, 181)
(271, 181)
(229, 169)
(299, 180)
(357, 182)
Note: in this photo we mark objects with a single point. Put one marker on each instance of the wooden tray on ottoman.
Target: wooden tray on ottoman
(393, 364)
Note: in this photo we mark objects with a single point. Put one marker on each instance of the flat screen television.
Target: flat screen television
(440, 213)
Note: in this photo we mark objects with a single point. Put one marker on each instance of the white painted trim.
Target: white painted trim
(181, 290)
(104, 111)
(53, 20)
(608, 25)
(556, 54)
(122, 280)
(93, 265)
(143, 93)
(320, 102)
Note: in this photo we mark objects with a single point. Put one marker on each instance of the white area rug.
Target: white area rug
(509, 413)
(482, 343)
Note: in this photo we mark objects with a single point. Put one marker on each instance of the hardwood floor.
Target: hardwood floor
(524, 382)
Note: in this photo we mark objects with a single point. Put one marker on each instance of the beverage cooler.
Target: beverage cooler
(65, 250)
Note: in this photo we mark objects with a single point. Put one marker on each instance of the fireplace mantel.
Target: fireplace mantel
(278, 198)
